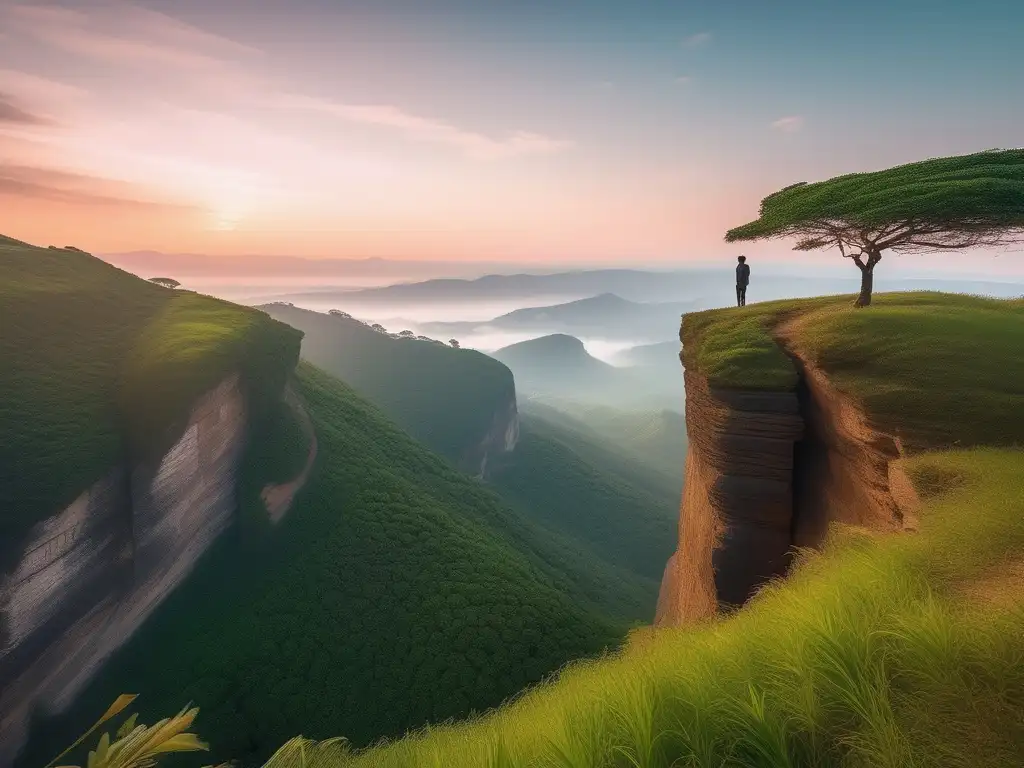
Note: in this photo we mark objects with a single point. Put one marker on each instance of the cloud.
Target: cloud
(58, 186)
(119, 32)
(420, 128)
(697, 39)
(789, 124)
(12, 113)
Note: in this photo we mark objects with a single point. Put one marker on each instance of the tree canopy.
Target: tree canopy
(166, 282)
(949, 203)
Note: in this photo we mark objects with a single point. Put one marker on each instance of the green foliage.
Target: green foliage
(655, 440)
(443, 396)
(187, 348)
(138, 746)
(938, 202)
(881, 651)
(397, 591)
(868, 655)
(575, 486)
(91, 355)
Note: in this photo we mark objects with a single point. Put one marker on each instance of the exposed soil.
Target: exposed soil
(277, 498)
(845, 470)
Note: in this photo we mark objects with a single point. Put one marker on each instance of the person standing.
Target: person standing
(742, 279)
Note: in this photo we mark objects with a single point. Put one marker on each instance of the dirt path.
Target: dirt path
(850, 469)
(277, 498)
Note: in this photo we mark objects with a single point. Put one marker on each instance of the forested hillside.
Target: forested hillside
(397, 591)
(448, 398)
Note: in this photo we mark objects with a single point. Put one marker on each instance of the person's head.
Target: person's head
(741, 259)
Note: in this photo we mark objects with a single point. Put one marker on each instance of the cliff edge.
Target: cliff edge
(777, 453)
(125, 409)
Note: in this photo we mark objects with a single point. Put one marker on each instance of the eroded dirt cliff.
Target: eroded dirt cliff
(769, 471)
(737, 509)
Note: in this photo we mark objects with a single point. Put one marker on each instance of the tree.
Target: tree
(379, 328)
(454, 343)
(339, 313)
(943, 204)
(166, 282)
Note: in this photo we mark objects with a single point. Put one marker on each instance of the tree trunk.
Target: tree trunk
(867, 277)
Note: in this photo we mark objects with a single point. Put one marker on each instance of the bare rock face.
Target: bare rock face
(92, 573)
(737, 511)
(769, 471)
(499, 441)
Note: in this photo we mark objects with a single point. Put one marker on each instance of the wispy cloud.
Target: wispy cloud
(788, 124)
(119, 32)
(60, 186)
(700, 38)
(125, 34)
(420, 128)
(12, 113)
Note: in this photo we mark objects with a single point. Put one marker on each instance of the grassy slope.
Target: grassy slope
(397, 591)
(883, 651)
(443, 396)
(654, 439)
(625, 514)
(618, 516)
(92, 356)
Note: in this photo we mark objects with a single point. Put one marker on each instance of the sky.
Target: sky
(533, 130)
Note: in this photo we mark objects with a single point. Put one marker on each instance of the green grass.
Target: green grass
(94, 358)
(867, 655)
(938, 370)
(734, 348)
(881, 650)
(396, 592)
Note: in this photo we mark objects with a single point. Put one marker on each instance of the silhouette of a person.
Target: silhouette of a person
(742, 279)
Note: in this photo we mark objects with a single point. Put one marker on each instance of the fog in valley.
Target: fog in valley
(587, 337)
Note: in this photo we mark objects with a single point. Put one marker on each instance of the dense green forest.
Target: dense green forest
(598, 495)
(94, 359)
(623, 512)
(443, 396)
(397, 591)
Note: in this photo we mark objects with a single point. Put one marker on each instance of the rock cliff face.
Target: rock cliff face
(737, 510)
(93, 572)
(499, 441)
(767, 471)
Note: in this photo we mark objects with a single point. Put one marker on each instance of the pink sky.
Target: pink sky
(122, 127)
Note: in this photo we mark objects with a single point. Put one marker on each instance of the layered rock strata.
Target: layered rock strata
(737, 510)
(92, 573)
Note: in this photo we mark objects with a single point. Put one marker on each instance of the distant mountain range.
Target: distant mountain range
(149, 263)
(606, 316)
(699, 288)
(558, 366)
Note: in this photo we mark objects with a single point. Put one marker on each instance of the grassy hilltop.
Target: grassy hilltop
(900, 650)
(98, 364)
